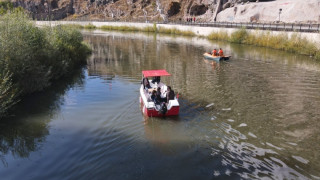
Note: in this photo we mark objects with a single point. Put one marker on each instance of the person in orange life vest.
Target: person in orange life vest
(220, 52)
(214, 52)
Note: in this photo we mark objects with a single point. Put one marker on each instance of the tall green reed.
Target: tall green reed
(282, 41)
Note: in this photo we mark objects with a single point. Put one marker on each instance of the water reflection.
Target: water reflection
(270, 97)
(252, 117)
(214, 65)
(25, 131)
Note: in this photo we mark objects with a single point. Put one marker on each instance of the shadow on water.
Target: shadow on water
(26, 129)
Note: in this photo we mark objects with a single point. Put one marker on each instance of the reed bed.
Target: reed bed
(174, 31)
(295, 43)
(153, 29)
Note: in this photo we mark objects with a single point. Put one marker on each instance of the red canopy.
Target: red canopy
(160, 72)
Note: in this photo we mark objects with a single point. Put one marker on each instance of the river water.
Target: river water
(254, 116)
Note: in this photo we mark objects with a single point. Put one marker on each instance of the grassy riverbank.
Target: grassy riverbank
(31, 58)
(294, 44)
(149, 29)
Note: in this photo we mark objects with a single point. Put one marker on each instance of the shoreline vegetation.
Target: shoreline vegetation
(33, 58)
(293, 44)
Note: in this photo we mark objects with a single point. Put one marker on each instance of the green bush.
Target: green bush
(174, 31)
(239, 36)
(23, 48)
(31, 57)
(76, 26)
(298, 44)
(149, 29)
(89, 26)
(221, 35)
(5, 6)
(155, 29)
(317, 55)
(120, 28)
(8, 93)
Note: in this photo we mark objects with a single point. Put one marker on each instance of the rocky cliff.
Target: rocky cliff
(175, 10)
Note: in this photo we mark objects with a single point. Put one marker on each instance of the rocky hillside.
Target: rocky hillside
(175, 10)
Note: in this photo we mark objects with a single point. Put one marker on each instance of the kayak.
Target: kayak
(151, 108)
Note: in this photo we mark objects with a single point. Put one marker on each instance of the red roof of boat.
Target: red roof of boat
(160, 72)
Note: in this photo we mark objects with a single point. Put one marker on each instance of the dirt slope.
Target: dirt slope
(175, 10)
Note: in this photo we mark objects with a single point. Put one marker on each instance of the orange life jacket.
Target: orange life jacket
(214, 52)
(220, 52)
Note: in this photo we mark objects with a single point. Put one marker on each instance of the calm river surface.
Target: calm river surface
(255, 116)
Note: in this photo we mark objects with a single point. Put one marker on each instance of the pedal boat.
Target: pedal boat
(150, 108)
